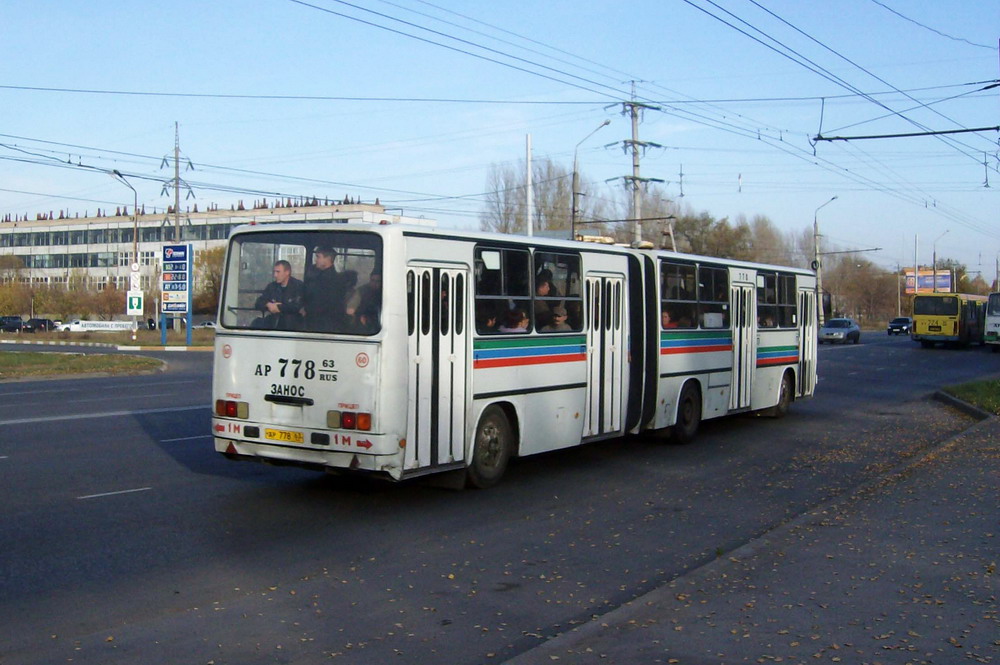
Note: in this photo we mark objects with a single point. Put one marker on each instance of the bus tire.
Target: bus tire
(688, 414)
(785, 396)
(491, 449)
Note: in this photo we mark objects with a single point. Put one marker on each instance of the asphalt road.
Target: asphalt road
(124, 538)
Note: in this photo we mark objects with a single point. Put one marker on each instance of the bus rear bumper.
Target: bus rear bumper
(309, 458)
(935, 338)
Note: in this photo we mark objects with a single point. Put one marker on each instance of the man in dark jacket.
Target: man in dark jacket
(324, 295)
(281, 301)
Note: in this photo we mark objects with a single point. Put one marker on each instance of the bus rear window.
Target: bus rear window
(935, 306)
(309, 281)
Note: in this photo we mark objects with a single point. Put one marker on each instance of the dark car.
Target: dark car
(901, 325)
(39, 325)
(11, 324)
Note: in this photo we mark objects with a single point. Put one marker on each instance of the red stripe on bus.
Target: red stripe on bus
(695, 349)
(528, 360)
(777, 361)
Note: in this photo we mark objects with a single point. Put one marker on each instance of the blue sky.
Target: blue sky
(735, 115)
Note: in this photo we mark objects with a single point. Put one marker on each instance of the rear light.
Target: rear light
(365, 422)
(349, 420)
(228, 408)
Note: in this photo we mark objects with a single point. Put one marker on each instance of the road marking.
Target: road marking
(106, 414)
(110, 398)
(97, 496)
(187, 438)
(4, 457)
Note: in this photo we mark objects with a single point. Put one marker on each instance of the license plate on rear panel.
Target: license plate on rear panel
(284, 435)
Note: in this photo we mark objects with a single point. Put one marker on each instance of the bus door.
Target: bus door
(808, 336)
(606, 334)
(744, 317)
(438, 362)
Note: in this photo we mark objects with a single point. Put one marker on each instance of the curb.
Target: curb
(558, 646)
(103, 345)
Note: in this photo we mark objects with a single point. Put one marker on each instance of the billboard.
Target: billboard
(926, 279)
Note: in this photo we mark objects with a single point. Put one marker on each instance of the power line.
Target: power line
(934, 30)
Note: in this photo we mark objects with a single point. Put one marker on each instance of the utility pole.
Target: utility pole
(529, 217)
(177, 183)
(817, 263)
(636, 181)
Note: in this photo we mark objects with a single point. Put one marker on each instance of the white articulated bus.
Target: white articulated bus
(404, 351)
(991, 330)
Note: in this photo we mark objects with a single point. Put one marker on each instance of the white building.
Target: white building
(100, 249)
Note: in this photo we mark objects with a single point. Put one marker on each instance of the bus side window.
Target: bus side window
(678, 288)
(503, 284)
(411, 302)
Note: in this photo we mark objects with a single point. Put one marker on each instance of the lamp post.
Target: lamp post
(817, 266)
(934, 262)
(576, 180)
(134, 274)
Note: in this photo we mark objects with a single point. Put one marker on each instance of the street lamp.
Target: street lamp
(934, 261)
(817, 266)
(116, 174)
(576, 180)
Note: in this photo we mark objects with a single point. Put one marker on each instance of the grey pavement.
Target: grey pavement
(901, 570)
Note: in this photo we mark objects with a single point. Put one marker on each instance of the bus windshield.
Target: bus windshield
(994, 306)
(935, 306)
(309, 281)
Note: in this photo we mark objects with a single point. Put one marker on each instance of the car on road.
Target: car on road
(901, 325)
(207, 324)
(11, 324)
(840, 330)
(39, 325)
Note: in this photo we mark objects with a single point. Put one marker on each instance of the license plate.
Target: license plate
(284, 435)
(934, 328)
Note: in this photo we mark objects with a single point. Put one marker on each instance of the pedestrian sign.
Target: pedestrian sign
(135, 307)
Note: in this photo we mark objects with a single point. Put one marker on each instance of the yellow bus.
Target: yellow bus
(953, 318)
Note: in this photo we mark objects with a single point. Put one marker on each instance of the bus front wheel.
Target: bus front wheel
(688, 414)
(785, 396)
(492, 449)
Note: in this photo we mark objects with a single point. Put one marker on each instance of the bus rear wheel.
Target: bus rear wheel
(688, 414)
(491, 450)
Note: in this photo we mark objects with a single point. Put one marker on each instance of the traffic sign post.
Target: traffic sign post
(135, 307)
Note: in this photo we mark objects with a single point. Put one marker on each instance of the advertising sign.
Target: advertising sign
(174, 281)
(925, 281)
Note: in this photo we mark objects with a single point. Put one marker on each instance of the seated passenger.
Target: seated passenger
(516, 322)
(280, 301)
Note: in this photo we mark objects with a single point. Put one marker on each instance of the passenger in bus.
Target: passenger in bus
(486, 317)
(324, 294)
(666, 321)
(281, 300)
(558, 324)
(543, 312)
(545, 275)
(516, 322)
(369, 310)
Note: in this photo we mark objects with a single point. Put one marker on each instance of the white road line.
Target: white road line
(111, 399)
(97, 496)
(106, 414)
(4, 457)
(187, 438)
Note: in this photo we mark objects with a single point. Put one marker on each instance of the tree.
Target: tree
(208, 267)
(109, 302)
(10, 268)
(552, 185)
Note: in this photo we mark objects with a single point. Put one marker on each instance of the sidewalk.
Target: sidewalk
(904, 570)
